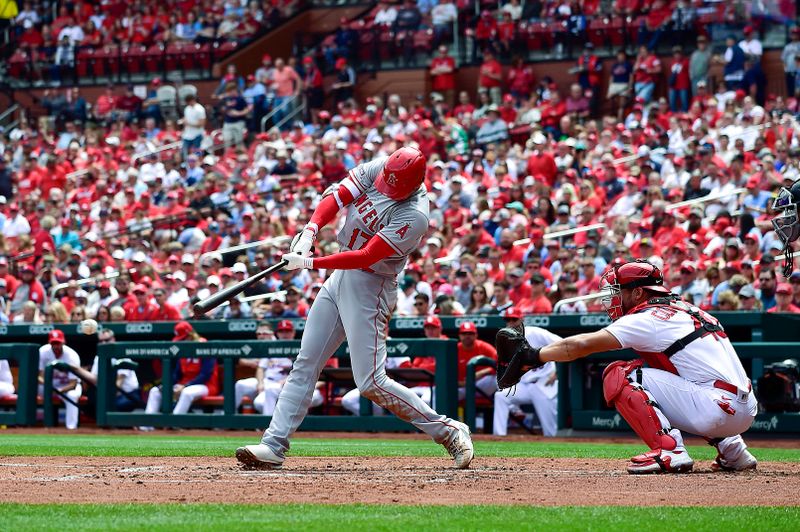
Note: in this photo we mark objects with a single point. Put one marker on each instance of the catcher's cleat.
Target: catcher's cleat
(661, 461)
(746, 462)
(515, 356)
(459, 445)
(258, 457)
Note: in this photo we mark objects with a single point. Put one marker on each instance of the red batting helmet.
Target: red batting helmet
(402, 174)
(638, 274)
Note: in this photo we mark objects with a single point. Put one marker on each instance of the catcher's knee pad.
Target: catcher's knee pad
(635, 405)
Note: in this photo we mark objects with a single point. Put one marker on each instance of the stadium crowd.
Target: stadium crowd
(98, 195)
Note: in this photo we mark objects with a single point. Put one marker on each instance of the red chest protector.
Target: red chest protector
(704, 324)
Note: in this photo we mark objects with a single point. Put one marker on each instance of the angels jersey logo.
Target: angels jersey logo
(403, 230)
(392, 179)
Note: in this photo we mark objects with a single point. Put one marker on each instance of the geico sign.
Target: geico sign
(537, 321)
(479, 322)
(409, 323)
(595, 321)
(242, 326)
(138, 328)
(40, 329)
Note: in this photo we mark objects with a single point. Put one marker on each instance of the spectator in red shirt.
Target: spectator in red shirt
(679, 82)
(141, 309)
(645, 73)
(443, 79)
(520, 80)
(485, 31)
(669, 233)
(129, 105)
(164, 311)
(590, 283)
(28, 289)
(537, 303)
(783, 298)
(491, 77)
(512, 255)
(519, 290)
(469, 347)
(541, 162)
(464, 108)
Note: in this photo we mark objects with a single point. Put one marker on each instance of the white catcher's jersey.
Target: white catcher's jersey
(401, 224)
(703, 361)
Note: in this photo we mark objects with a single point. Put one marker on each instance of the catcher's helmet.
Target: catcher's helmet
(637, 274)
(786, 223)
(402, 174)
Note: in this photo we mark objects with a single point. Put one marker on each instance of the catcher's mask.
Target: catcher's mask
(786, 223)
(637, 274)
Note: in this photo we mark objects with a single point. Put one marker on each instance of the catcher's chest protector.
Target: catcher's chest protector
(704, 324)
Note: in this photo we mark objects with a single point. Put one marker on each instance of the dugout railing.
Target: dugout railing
(228, 352)
(740, 326)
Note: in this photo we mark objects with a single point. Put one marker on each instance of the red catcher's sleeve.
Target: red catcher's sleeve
(376, 250)
(328, 207)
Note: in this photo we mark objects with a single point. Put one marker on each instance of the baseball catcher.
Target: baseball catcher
(693, 380)
(787, 223)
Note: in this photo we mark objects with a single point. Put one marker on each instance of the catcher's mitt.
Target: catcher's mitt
(515, 356)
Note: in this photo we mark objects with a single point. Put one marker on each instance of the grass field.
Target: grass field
(386, 517)
(198, 517)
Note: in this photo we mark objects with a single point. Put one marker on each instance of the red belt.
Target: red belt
(728, 387)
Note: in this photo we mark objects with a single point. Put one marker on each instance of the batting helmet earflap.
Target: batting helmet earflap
(402, 174)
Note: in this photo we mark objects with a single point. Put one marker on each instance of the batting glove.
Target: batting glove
(296, 261)
(303, 240)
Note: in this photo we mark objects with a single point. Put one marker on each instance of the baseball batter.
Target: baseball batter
(387, 215)
(694, 382)
(538, 387)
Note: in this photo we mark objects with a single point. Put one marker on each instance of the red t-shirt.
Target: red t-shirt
(490, 67)
(443, 82)
(642, 74)
(679, 71)
(539, 305)
(480, 348)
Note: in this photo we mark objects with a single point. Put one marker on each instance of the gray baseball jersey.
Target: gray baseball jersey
(401, 224)
(356, 305)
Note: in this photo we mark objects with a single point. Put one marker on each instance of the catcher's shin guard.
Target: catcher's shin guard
(636, 405)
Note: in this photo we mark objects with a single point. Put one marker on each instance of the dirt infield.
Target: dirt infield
(542, 481)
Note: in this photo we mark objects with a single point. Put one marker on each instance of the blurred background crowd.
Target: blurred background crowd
(123, 208)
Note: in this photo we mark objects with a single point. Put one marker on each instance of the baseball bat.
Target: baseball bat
(201, 307)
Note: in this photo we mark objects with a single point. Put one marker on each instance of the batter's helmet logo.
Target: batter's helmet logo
(391, 179)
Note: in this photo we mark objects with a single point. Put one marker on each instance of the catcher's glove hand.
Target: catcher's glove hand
(515, 356)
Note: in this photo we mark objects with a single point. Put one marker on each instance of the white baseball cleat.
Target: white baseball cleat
(675, 461)
(746, 462)
(459, 445)
(258, 457)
